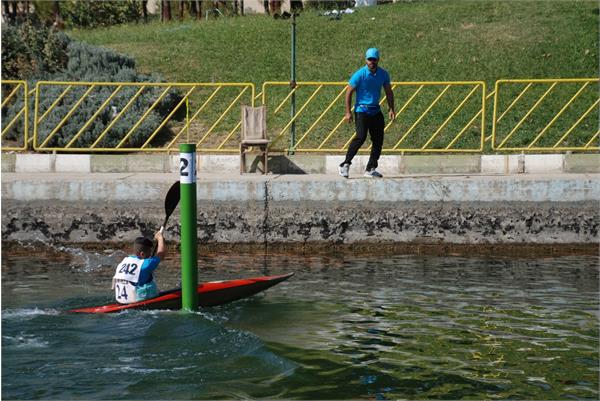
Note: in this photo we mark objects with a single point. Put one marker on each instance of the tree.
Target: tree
(5, 9)
(196, 9)
(58, 21)
(181, 8)
(145, 10)
(165, 10)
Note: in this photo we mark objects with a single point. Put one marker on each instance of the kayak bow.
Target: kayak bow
(212, 293)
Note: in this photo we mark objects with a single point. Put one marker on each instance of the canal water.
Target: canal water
(344, 327)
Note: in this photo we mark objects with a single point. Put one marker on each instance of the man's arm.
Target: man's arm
(349, 91)
(389, 96)
(161, 249)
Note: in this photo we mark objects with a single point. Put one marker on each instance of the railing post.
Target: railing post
(189, 233)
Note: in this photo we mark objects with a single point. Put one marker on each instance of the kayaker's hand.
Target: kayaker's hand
(161, 247)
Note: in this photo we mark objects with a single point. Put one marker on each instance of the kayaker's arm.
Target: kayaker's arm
(161, 249)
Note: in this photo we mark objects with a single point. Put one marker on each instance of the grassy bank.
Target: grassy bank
(419, 41)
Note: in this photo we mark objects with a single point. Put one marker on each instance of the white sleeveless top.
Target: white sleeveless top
(126, 277)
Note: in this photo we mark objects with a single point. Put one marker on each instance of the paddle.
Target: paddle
(171, 201)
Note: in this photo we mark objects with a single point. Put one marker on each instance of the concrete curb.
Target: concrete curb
(306, 164)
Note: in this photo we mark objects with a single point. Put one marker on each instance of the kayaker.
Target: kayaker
(133, 280)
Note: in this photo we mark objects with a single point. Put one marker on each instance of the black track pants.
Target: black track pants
(374, 125)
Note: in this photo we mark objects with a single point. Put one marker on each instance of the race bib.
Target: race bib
(129, 270)
(125, 292)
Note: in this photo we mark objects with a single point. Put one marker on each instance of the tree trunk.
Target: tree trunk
(166, 10)
(58, 21)
(196, 9)
(275, 6)
(180, 8)
(13, 12)
(145, 10)
(5, 10)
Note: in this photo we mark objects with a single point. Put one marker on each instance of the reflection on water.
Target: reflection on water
(370, 328)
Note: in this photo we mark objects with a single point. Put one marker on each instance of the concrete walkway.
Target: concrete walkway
(306, 187)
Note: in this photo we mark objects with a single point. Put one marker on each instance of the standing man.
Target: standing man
(367, 83)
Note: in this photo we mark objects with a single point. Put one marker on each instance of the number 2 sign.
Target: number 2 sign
(187, 168)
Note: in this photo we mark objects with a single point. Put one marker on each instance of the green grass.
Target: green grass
(419, 41)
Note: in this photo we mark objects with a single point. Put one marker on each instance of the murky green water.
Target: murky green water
(342, 328)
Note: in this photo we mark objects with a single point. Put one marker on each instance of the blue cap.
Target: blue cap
(372, 53)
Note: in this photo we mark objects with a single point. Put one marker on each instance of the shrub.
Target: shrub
(38, 53)
(31, 51)
(93, 64)
(92, 14)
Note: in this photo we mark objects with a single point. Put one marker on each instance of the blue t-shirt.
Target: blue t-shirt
(368, 89)
(148, 266)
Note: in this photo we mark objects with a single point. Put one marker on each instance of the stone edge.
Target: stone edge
(306, 164)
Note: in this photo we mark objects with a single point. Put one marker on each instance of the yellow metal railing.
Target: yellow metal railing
(143, 117)
(528, 115)
(546, 115)
(431, 117)
(15, 115)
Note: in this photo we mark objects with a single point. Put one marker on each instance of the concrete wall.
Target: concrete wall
(514, 209)
(307, 164)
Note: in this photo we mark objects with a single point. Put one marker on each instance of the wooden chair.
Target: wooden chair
(254, 135)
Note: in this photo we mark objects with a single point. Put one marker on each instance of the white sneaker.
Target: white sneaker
(373, 173)
(344, 170)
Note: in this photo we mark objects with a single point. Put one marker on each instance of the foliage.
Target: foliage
(93, 14)
(30, 51)
(93, 64)
(35, 52)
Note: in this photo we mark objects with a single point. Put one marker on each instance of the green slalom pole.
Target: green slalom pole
(189, 233)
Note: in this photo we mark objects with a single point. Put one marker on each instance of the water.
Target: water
(343, 327)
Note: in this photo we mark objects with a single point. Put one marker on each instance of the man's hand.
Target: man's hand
(348, 117)
(392, 115)
(159, 236)
(348, 102)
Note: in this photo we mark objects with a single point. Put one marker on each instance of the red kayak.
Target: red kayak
(212, 293)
